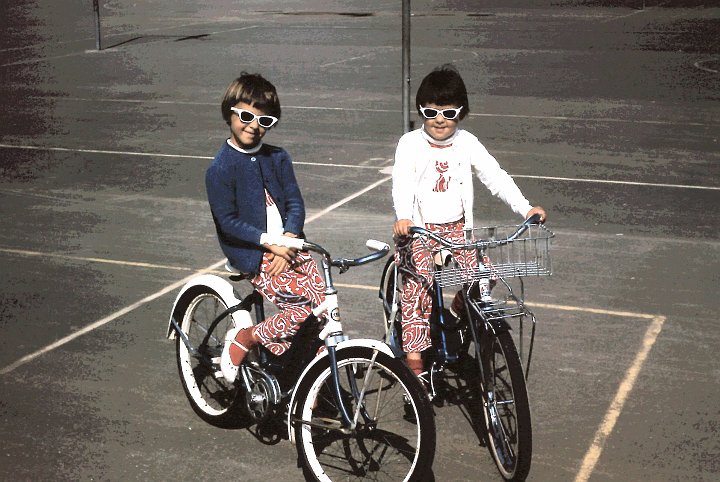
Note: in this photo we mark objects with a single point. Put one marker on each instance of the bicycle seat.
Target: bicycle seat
(236, 275)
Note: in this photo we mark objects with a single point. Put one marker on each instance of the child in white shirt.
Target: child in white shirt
(433, 188)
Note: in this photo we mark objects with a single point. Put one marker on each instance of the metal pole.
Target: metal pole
(406, 64)
(96, 11)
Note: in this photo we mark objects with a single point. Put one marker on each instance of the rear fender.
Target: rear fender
(202, 284)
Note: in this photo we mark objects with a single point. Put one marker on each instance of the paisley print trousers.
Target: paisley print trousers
(295, 292)
(413, 256)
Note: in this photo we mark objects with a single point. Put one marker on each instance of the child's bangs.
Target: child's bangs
(263, 100)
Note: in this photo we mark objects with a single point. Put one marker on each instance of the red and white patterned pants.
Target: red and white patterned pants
(413, 256)
(295, 292)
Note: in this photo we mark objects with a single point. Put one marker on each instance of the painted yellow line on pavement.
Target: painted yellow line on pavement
(616, 406)
(137, 264)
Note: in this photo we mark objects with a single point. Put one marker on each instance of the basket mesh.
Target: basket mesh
(528, 255)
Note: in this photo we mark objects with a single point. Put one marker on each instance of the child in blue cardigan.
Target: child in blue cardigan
(255, 202)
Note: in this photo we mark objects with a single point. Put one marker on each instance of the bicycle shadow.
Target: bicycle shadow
(458, 386)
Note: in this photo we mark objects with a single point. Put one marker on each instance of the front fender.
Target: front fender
(362, 342)
(499, 325)
(196, 286)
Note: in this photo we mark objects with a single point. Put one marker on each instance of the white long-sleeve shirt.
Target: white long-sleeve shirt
(433, 184)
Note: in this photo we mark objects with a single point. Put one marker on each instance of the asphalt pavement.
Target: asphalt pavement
(607, 113)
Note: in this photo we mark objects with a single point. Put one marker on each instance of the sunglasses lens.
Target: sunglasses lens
(246, 117)
(266, 121)
(450, 114)
(429, 113)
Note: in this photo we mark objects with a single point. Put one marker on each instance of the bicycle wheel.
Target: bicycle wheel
(394, 438)
(212, 398)
(506, 408)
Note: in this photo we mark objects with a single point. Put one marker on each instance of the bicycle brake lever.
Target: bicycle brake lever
(341, 264)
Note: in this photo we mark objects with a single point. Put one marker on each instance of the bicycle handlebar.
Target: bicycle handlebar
(380, 250)
(534, 219)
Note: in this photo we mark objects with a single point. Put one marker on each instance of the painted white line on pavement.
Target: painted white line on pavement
(601, 435)
(394, 111)
(158, 154)
(381, 169)
(103, 321)
(608, 181)
(347, 199)
(32, 356)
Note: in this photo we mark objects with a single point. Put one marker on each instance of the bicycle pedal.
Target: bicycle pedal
(216, 363)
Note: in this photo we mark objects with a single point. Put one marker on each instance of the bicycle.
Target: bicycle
(353, 410)
(474, 361)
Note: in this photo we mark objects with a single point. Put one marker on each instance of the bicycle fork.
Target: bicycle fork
(332, 333)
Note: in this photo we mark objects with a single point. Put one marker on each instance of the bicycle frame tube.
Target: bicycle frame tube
(332, 333)
(475, 334)
(440, 305)
(347, 422)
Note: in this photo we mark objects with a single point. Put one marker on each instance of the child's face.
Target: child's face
(440, 128)
(246, 135)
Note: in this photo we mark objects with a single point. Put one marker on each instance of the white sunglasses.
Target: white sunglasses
(431, 113)
(247, 117)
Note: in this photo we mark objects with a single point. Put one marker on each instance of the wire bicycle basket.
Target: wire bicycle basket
(526, 255)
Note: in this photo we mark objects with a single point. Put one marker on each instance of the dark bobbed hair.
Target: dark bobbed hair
(443, 86)
(252, 89)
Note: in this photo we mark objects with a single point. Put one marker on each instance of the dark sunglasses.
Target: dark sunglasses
(431, 113)
(247, 117)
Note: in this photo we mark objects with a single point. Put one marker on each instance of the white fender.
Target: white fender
(362, 342)
(221, 286)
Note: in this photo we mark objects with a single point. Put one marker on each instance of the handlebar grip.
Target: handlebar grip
(534, 219)
(375, 245)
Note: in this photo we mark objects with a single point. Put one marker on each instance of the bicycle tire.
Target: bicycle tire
(397, 441)
(212, 398)
(506, 407)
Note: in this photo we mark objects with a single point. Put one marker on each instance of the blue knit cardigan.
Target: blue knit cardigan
(234, 183)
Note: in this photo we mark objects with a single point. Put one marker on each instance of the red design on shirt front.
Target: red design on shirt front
(441, 185)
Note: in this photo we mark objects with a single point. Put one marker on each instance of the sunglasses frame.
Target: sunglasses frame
(239, 113)
(456, 112)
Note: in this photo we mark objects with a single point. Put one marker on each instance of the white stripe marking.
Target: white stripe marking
(708, 123)
(147, 299)
(600, 438)
(610, 181)
(99, 323)
(381, 169)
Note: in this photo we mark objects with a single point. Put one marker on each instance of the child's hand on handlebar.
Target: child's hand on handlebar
(282, 257)
(401, 227)
(537, 210)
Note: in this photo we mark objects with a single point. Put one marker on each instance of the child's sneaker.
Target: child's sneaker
(241, 341)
